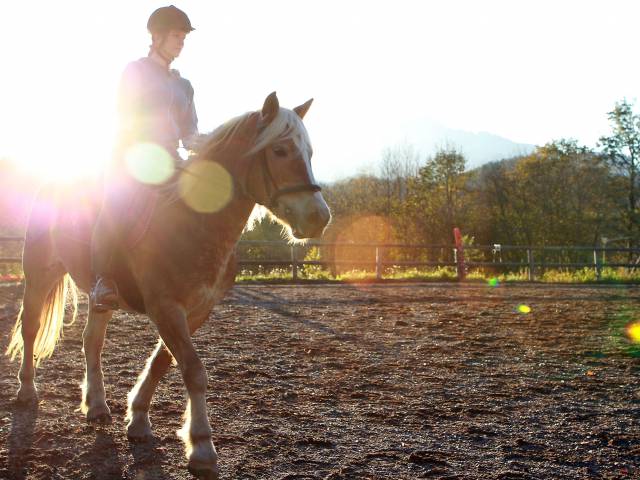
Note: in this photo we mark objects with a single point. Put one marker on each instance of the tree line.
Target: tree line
(562, 193)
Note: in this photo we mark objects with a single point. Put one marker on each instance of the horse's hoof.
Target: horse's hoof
(99, 414)
(203, 472)
(102, 418)
(139, 430)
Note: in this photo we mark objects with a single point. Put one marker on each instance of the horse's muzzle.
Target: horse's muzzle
(307, 214)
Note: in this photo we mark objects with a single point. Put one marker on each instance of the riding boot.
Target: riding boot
(104, 292)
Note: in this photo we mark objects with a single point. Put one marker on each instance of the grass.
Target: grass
(13, 272)
(443, 274)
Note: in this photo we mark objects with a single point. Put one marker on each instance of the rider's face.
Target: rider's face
(173, 42)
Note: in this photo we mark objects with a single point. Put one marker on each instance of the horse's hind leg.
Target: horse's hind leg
(94, 403)
(139, 426)
(38, 286)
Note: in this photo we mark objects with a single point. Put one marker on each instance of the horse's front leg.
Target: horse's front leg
(138, 423)
(174, 330)
(94, 403)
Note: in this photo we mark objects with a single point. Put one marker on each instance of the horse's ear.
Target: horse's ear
(302, 109)
(270, 108)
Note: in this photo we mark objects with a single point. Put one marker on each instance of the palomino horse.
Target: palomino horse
(182, 265)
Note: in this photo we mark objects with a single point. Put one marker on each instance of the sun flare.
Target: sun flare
(58, 157)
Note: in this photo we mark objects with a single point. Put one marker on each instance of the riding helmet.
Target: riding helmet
(169, 18)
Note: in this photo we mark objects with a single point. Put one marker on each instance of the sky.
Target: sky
(529, 71)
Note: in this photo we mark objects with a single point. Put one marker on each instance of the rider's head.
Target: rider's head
(168, 27)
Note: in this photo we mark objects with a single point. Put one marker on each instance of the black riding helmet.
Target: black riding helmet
(169, 18)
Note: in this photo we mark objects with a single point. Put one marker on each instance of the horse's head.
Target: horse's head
(280, 177)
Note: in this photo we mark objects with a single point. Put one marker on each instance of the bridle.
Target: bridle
(271, 188)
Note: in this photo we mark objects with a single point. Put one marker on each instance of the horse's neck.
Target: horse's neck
(229, 223)
(202, 231)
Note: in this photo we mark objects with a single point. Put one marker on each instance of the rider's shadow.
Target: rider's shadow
(20, 440)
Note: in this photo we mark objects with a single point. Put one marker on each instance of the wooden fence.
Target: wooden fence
(382, 257)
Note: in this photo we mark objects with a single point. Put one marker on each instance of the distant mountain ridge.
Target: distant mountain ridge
(478, 148)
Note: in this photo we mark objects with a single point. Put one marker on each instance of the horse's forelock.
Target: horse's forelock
(286, 126)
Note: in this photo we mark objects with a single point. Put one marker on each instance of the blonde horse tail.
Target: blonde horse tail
(51, 321)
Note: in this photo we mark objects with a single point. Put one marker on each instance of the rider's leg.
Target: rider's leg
(104, 294)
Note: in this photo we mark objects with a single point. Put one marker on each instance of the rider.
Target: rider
(155, 105)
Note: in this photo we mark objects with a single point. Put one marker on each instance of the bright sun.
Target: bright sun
(58, 99)
(67, 145)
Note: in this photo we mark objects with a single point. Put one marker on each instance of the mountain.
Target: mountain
(478, 148)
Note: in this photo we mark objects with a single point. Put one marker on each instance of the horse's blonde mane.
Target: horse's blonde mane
(287, 125)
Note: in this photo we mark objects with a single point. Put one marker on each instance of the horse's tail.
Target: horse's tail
(51, 321)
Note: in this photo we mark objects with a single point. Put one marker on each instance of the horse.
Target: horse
(182, 265)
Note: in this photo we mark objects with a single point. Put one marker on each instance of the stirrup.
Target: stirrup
(104, 296)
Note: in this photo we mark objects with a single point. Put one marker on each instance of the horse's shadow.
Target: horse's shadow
(105, 463)
(102, 460)
(147, 459)
(20, 440)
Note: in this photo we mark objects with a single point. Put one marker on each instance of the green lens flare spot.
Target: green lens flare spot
(493, 282)
(149, 163)
(206, 187)
(524, 308)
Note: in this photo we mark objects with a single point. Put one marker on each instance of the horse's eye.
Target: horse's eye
(280, 151)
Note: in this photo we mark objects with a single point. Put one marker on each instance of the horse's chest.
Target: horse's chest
(212, 287)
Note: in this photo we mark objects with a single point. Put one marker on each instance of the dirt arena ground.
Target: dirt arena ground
(364, 382)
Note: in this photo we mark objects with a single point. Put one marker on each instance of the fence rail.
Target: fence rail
(533, 259)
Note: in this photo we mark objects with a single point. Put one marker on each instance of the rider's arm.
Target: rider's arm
(189, 127)
(129, 103)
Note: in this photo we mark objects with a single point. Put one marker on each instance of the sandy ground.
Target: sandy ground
(364, 382)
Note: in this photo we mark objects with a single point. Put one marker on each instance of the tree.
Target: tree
(398, 165)
(622, 150)
(434, 200)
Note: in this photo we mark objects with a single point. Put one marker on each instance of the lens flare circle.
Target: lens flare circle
(354, 262)
(524, 309)
(149, 163)
(633, 332)
(206, 187)
(493, 282)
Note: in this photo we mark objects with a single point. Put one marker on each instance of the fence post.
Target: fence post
(531, 274)
(597, 265)
(294, 264)
(378, 264)
(459, 254)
